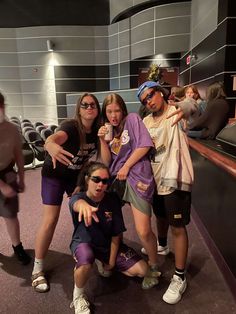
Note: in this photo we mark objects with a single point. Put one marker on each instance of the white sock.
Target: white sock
(38, 265)
(77, 292)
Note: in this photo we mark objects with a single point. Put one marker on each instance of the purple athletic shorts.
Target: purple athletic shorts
(53, 189)
(126, 257)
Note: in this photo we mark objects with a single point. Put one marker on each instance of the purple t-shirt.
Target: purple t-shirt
(135, 135)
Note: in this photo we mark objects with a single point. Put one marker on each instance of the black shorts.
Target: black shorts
(175, 207)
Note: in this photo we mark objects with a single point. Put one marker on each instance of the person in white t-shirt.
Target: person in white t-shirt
(173, 174)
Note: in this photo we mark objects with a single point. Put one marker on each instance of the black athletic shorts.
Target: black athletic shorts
(175, 207)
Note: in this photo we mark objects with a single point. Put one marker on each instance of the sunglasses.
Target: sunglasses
(148, 97)
(85, 105)
(96, 179)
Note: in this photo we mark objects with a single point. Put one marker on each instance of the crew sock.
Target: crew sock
(180, 273)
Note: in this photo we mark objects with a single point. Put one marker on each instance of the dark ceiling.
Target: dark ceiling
(20, 13)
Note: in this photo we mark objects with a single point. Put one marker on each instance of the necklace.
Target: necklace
(158, 119)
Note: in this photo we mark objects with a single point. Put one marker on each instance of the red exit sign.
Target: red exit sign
(188, 59)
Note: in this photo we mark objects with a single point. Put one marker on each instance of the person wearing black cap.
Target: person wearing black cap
(173, 174)
(11, 153)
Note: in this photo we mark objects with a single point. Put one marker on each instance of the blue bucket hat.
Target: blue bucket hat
(150, 84)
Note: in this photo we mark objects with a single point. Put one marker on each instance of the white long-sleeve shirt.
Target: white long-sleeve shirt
(172, 165)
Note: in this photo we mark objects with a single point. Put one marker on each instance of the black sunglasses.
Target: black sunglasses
(96, 179)
(148, 97)
(85, 105)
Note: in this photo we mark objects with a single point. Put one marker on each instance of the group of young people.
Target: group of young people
(211, 114)
(152, 157)
(148, 155)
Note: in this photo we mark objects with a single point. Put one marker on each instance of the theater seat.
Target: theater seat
(27, 128)
(39, 128)
(45, 133)
(14, 120)
(53, 127)
(24, 124)
(26, 120)
(35, 141)
(37, 124)
(28, 153)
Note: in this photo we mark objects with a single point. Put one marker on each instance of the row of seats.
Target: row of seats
(33, 139)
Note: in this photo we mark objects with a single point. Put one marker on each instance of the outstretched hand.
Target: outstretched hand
(178, 113)
(86, 212)
(185, 108)
(58, 154)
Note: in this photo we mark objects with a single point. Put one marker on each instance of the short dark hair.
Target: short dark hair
(2, 99)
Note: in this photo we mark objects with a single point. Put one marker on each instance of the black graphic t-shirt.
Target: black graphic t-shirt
(73, 146)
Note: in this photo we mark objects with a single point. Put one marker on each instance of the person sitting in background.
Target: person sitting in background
(11, 153)
(191, 91)
(215, 116)
(176, 93)
(97, 237)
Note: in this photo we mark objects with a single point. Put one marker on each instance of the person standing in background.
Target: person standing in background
(11, 183)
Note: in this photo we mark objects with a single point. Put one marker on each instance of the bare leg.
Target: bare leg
(46, 230)
(13, 229)
(137, 270)
(180, 239)
(145, 233)
(42, 243)
(80, 302)
(81, 275)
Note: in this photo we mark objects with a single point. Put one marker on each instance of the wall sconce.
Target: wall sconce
(194, 57)
(50, 45)
(234, 82)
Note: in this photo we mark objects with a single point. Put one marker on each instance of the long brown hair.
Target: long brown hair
(78, 122)
(117, 99)
(194, 89)
(87, 171)
(96, 123)
(215, 91)
(2, 99)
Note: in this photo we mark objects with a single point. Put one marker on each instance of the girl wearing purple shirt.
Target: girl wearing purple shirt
(127, 155)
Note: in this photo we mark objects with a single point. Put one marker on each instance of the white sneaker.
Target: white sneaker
(175, 290)
(101, 270)
(161, 250)
(81, 305)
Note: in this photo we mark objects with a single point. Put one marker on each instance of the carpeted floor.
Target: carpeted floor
(206, 292)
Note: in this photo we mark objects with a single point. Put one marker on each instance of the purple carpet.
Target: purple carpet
(206, 292)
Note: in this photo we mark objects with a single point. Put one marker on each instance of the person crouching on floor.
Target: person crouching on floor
(98, 227)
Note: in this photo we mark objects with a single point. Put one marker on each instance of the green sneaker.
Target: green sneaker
(149, 282)
(154, 273)
(151, 278)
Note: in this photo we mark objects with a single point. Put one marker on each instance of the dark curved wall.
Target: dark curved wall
(142, 5)
(53, 12)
